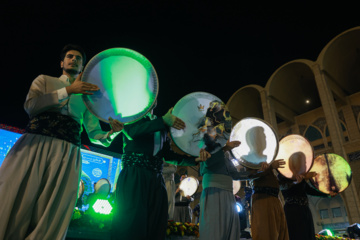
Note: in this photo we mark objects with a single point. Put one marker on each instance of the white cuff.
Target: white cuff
(62, 94)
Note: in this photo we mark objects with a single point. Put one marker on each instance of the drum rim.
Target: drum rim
(82, 189)
(311, 179)
(312, 151)
(257, 166)
(239, 186)
(197, 181)
(171, 129)
(107, 180)
(153, 72)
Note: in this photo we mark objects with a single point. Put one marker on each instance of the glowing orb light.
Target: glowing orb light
(102, 206)
(239, 208)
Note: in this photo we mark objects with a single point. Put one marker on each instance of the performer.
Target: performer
(196, 213)
(298, 215)
(141, 199)
(168, 174)
(267, 214)
(183, 212)
(218, 216)
(40, 174)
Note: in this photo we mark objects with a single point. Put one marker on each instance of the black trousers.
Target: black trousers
(141, 205)
(300, 222)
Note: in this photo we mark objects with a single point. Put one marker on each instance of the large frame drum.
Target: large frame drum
(298, 155)
(259, 142)
(208, 123)
(189, 186)
(333, 173)
(128, 85)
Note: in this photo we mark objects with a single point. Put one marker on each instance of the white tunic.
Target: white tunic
(39, 176)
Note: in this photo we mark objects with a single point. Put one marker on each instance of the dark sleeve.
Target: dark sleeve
(234, 173)
(176, 159)
(284, 182)
(314, 192)
(143, 127)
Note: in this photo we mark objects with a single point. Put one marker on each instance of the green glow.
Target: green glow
(135, 87)
(329, 233)
(128, 85)
(102, 206)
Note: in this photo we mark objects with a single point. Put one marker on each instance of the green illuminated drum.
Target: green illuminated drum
(128, 85)
(333, 173)
(208, 123)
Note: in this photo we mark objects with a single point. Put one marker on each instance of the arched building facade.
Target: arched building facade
(319, 100)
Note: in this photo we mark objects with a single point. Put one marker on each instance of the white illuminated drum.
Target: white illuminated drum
(128, 85)
(208, 123)
(236, 186)
(298, 155)
(189, 186)
(102, 187)
(259, 142)
(333, 173)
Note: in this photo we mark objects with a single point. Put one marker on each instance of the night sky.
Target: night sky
(216, 47)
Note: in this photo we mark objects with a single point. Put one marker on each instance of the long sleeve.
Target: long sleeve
(94, 131)
(235, 175)
(49, 94)
(42, 97)
(176, 159)
(313, 192)
(141, 128)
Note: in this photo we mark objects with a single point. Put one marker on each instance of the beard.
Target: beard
(72, 71)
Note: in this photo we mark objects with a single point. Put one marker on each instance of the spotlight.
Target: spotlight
(102, 206)
(326, 232)
(239, 207)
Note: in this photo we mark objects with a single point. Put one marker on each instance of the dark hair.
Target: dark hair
(69, 47)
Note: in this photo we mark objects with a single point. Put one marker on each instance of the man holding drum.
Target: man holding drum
(218, 217)
(267, 215)
(182, 211)
(40, 175)
(141, 210)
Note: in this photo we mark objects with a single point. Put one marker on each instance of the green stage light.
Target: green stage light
(102, 206)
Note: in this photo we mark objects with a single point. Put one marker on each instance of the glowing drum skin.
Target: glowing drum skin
(333, 173)
(189, 186)
(207, 120)
(259, 142)
(298, 155)
(128, 85)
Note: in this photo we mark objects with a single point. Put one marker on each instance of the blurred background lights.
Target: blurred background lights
(239, 208)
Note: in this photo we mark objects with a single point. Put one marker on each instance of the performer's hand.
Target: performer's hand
(264, 166)
(230, 145)
(310, 175)
(203, 156)
(116, 125)
(279, 163)
(80, 87)
(173, 121)
(333, 194)
(299, 177)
